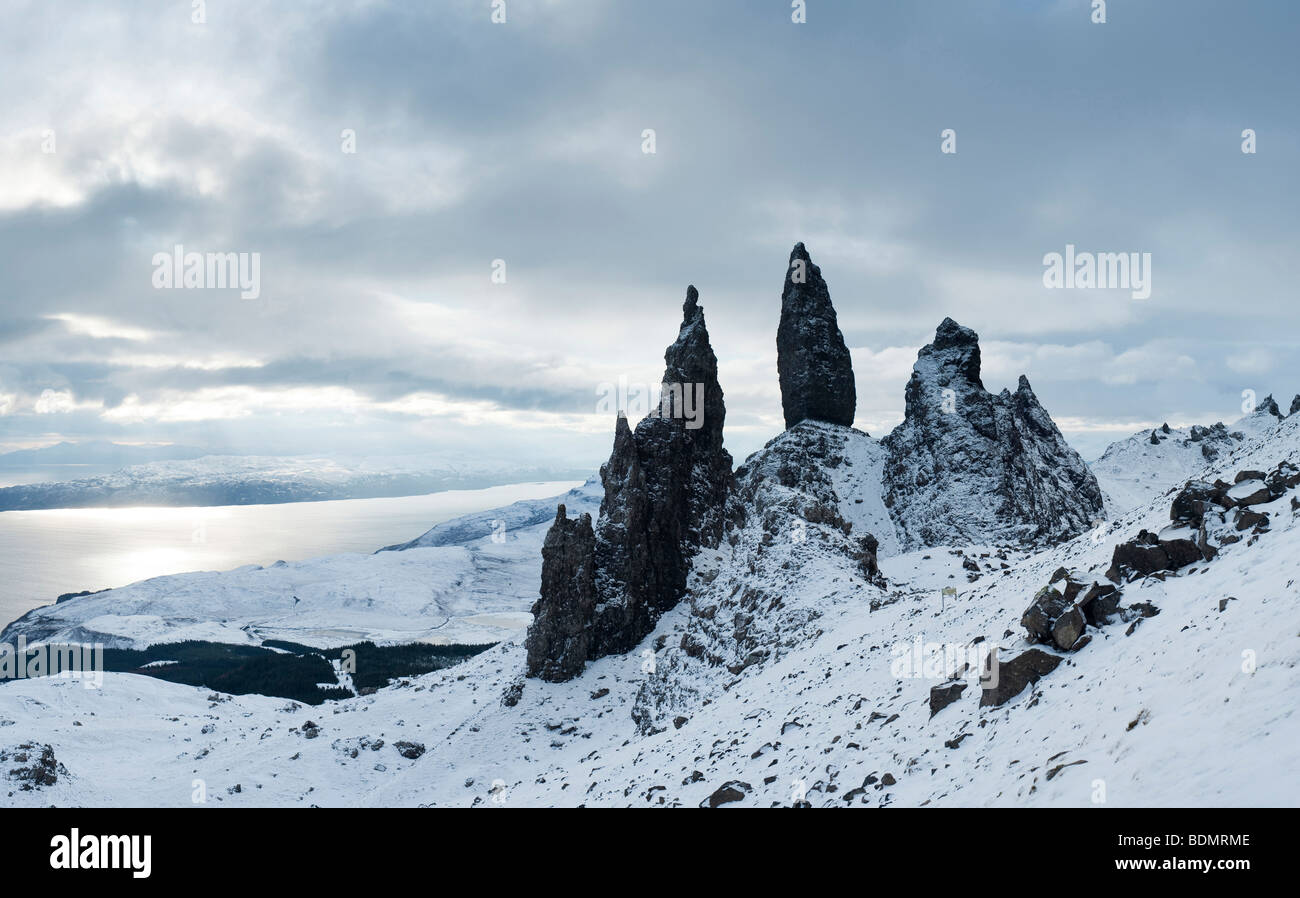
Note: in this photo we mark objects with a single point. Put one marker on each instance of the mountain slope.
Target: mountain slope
(1167, 714)
(1134, 470)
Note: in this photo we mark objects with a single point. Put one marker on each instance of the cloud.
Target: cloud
(522, 142)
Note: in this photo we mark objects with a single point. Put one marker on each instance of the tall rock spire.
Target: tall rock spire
(667, 489)
(812, 361)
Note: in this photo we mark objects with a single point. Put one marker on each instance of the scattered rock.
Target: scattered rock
(409, 750)
(734, 790)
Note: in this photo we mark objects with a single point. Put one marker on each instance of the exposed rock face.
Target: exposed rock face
(1268, 406)
(558, 641)
(967, 466)
(1295, 405)
(667, 489)
(812, 361)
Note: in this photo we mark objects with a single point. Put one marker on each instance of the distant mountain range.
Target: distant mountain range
(262, 480)
(97, 453)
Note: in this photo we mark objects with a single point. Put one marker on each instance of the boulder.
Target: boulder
(409, 750)
(1014, 675)
(943, 696)
(1251, 492)
(1100, 603)
(1054, 619)
(1147, 553)
(735, 790)
(1194, 499)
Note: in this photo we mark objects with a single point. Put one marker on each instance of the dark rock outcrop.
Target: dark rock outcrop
(43, 769)
(870, 564)
(1053, 618)
(812, 360)
(668, 485)
(735, 790)
(1014, 675)
(943, 696)
(1203, 514)
(1147, 553)
(1295, 405)
(558, 642)
(1268, 406)
(967, 466)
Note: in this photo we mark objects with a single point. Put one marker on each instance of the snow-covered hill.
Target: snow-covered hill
(1134, 470)
(778, 680)
(470, 580)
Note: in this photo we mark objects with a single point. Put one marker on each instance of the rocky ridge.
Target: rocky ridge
(667, 495)
(970, 466)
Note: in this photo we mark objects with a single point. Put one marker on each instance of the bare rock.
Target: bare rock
(812, 360)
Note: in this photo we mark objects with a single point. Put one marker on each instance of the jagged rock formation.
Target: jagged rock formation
(1295, 405)
(558, 641)
(967, 466)
(1269, 407)
(809, 518)
(812, 361)
(667, 489)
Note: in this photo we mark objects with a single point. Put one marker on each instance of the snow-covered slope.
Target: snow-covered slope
(513, 517)
(469, 580)
(776, 681)
(1135, 470)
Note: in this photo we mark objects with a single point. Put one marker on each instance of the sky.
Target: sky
(461, 236)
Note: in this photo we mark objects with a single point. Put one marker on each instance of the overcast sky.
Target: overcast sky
(378, 327)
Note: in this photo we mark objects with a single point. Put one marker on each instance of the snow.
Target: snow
(860, 479)
(1245, 489)
(1190, 709)
(480, 591)
(1133, 471)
